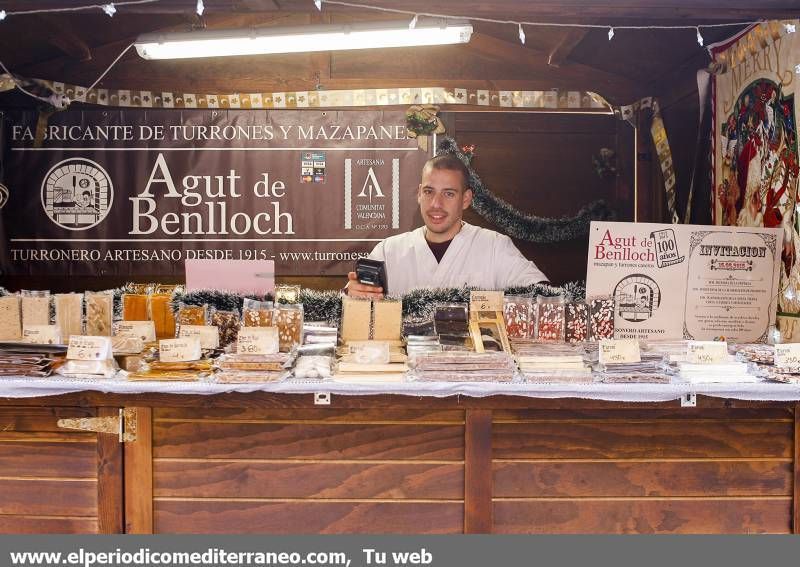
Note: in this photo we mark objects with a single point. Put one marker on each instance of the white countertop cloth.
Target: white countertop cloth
(19, 387)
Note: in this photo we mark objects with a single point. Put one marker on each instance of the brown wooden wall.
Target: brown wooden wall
(389, 465)
(542, 164)
(635, 471)
(300, 471)
(48, 476)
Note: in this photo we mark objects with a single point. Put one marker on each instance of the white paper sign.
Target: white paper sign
(180, 350)
(208, 334)
(41, 334)
(89, 348)
(145, 330)
(787, 354)
(684, 281)
(707, 352)
(486, 301)
(619, 351)
(257, 340)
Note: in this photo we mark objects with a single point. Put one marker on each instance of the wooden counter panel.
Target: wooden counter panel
(255, 479)
(40, 419)
(634, 413)
(47, 525)
(655, 439)
(77, 460)
(665, 478)
(48, 497)
(204, 439)
(696, 516)
(375, 415)
(209, 516)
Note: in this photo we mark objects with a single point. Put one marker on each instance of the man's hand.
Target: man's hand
(356, 289)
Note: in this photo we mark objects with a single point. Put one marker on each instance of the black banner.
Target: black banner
(135, 192)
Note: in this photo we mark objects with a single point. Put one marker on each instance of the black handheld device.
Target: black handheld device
(371, 272)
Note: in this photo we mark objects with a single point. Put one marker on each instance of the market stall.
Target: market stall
(178, 353)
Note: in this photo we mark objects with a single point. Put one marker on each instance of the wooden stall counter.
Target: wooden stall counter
(278, 463)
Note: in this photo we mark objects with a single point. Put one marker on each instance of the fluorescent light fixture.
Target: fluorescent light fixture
(331, 37)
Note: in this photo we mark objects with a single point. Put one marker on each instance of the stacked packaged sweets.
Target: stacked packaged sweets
(463, 367)
(371, 361)
(316, 355)
(601, 318)
(227, 324)
(10, 318)
(778, 363)
(519, 314)
(419, 344)
(550, 320)
(35, 308)
(727, 371)
(768, 365)
(551, 362)
(180, 360)
(451, 325)
(257, 358)
(30, 360)
(639, 366)
(89, 356)
(576, 322)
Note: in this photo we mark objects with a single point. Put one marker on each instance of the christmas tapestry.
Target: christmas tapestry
(755, 173)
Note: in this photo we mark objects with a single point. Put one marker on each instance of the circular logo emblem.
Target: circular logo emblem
(637, 297)
(77, 193)
(3, 195)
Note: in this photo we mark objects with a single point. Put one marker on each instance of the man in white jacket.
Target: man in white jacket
(447, 252)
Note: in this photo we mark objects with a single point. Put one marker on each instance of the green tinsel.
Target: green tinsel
(517, 224)
(327, 305)
(218, 299)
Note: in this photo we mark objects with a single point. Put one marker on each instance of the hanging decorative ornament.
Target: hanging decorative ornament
(200, 7)
(610, 34)
(413, 23)
(2, 15)
(318, 4)
(422, 121)
(699, 37)
(109, 9)
(521, 34)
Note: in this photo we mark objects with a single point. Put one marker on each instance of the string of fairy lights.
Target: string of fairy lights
(110, 9)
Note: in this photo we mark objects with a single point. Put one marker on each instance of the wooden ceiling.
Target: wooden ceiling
(76, 47)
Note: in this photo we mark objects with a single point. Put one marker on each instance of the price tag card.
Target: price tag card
(287, 293)
(208, 334)
(184, 349)
(145, 330)
(89, 348)
(41, 334)
(485, 301)
(787, 354)
(257, 340)
(619, 351)
(708, 352)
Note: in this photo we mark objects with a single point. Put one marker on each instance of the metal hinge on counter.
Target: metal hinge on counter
(123, 425)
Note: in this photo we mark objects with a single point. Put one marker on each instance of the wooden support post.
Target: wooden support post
(478, 472)
(109, 479)
(796, 473)
(139, 476)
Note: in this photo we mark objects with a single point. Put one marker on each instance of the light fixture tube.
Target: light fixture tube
(331, 37)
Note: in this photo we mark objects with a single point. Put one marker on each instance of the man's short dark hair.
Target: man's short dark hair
(451, 163)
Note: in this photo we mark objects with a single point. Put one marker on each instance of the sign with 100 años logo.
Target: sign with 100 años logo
(130, 192)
